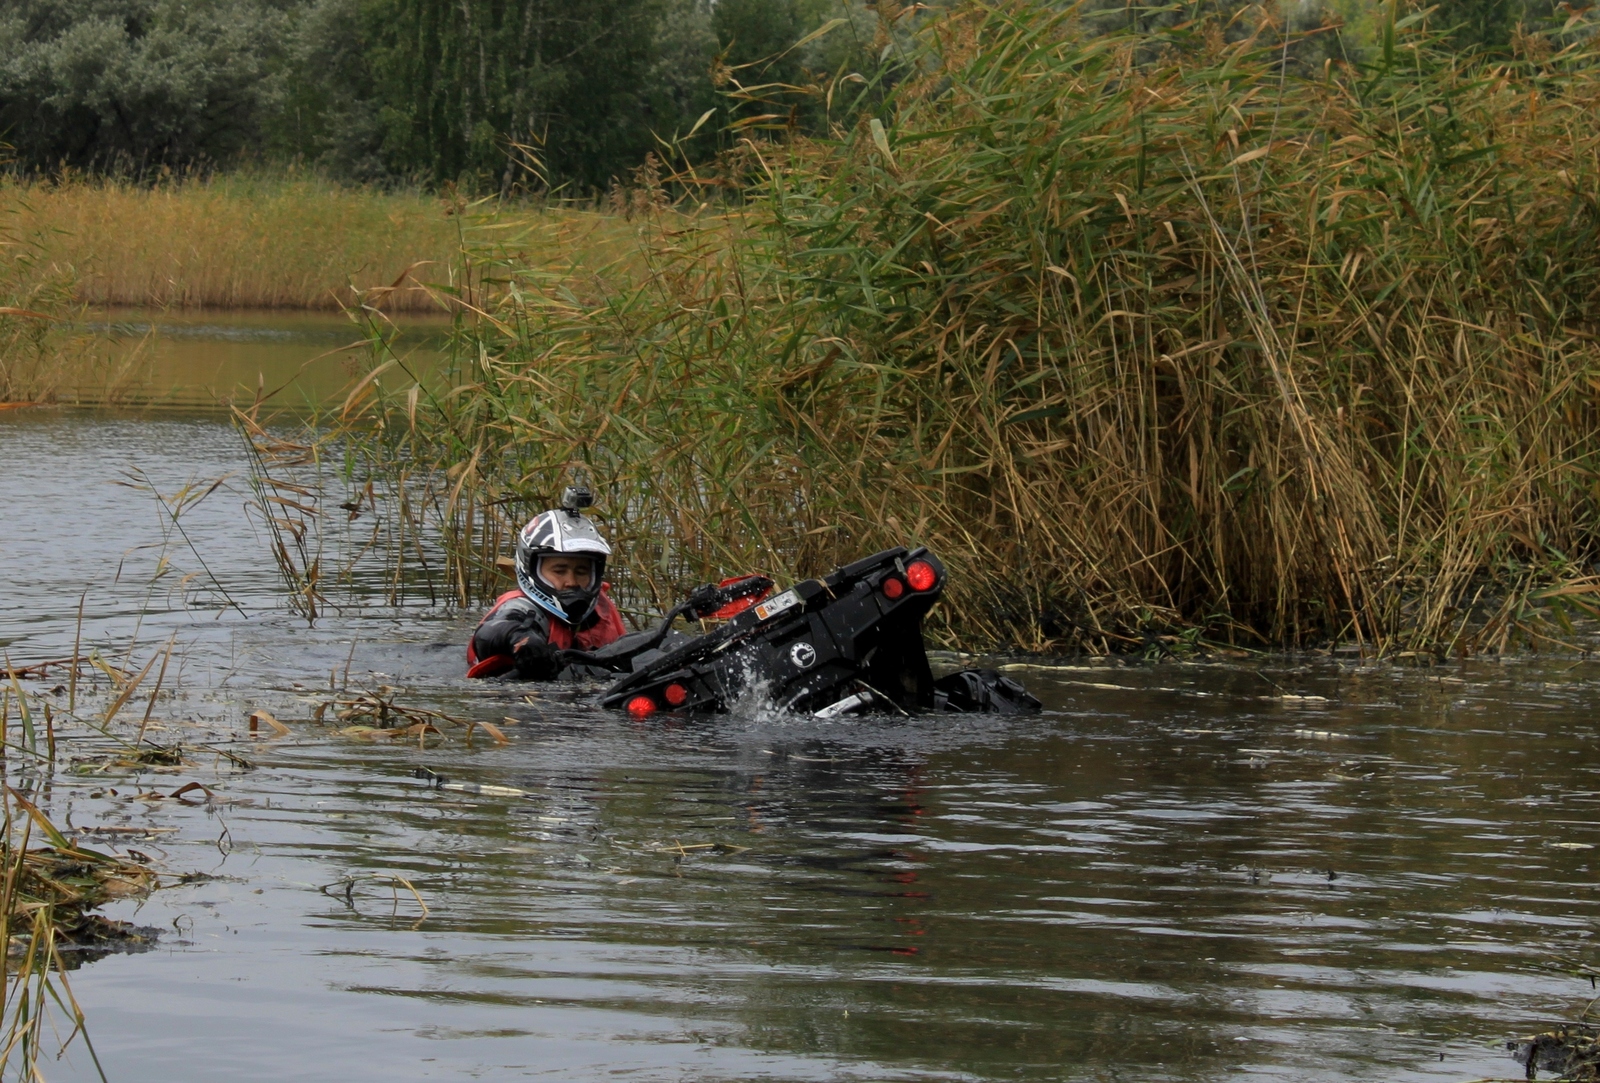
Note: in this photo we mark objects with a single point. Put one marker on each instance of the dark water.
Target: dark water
(1175, 873)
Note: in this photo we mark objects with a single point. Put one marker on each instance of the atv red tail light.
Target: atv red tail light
(639, 706)
(921, 575)
(892, 588)
(676, 694)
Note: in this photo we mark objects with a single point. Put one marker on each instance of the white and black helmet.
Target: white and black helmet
(566, 531)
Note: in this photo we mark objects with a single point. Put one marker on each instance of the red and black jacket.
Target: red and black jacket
(514, 617)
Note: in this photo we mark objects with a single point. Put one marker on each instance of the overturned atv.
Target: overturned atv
(847, 643)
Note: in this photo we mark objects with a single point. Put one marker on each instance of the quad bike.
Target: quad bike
(847, 643)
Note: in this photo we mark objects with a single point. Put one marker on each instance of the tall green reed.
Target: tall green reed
(1147, 332)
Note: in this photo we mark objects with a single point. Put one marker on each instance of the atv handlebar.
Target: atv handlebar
(723, 599)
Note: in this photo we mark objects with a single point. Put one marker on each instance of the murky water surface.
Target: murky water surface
(201, 358)
(1177, 872)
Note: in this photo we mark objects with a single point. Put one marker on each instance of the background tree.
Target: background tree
(463, 84)
(493, 95)
(97, 84)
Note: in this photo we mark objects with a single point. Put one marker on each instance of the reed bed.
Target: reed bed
(36, 296)
(50, 884)
(1155, 336)
(231, 241)
(248, 240)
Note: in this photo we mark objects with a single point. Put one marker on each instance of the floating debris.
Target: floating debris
(48, 891)
(680, 850)
(141, 757)
(142, 832)
(439, 782)
(376, 716)
(61, 885)
(1571, 1051)
(419, 730)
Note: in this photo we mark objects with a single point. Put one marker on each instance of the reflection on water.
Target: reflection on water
(201, 358)
(1184, 876)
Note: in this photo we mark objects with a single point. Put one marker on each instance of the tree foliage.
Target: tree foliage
(106, 83)
(496, 95)
(491, 88)
(489, 94)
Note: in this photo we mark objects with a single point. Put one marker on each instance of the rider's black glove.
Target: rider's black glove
(536, 660)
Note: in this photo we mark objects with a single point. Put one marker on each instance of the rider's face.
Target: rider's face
(567, 573)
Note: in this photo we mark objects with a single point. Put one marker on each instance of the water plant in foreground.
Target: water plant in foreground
(1143, 331)
(47, 894)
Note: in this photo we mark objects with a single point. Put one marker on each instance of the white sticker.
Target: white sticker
(773, 606)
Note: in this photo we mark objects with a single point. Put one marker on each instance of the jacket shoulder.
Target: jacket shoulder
(513, 606)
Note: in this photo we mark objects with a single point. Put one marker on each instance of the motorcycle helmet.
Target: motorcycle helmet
(566, 531)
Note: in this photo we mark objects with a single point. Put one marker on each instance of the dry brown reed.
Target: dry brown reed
(35, 298)
(232, 241)
(46, 893)
(1146, 334)
(259, 241)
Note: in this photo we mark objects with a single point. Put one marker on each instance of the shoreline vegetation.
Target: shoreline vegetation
(229, 241)
(245, 241)
(1160, 337)
(1192, 332)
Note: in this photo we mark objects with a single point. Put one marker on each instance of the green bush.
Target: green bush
(134, 85)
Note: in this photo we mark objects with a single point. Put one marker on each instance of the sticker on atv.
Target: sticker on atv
(782, 603)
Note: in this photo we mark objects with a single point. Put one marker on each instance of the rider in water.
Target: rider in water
(561, 600)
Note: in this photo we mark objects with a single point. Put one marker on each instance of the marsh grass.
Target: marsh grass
(36, 300)
(48, 892)
(32, 975)
(240, 241)
(250, 240)
(1154, 340)
(45, 356)
(231, 241)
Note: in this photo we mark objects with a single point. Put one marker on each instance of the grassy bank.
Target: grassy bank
(244, 242)
(237, 241)
(262, 241)
(36, 299)
(1150, 336)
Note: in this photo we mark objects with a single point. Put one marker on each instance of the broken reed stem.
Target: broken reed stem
(160, 677)
(77, 646)
(397, 881)
(24, 715)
